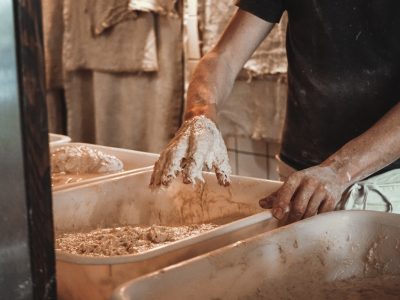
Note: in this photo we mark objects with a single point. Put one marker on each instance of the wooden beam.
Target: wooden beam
(27, 257)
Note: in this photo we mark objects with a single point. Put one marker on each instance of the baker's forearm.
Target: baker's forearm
(211, 83)
(319, 189)
(214, 76)
(373, 150)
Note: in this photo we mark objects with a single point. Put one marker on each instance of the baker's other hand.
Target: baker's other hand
(306, 193)
(198, 144)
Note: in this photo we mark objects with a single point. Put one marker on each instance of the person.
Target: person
(342, 129)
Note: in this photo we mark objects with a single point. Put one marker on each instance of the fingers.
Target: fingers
(220, 163)
(200, 144)
(222, 177)
(306, 193)
(268, 201)
(169, 163)
(158, 168)
(174, 161)
(315, 202)
(301, 199)
(327, 205)
(284, 196)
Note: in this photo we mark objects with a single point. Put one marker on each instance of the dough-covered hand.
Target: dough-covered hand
(306, 193)
(197, 144)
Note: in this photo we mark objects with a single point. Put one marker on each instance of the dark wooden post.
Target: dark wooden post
(27, 261)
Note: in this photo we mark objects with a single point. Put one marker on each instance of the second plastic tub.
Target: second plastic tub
(343, 255)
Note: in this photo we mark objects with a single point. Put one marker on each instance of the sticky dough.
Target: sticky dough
(197, 144)
(82, 159)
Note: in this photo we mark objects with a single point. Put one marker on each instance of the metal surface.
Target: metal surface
(15, 274)
(319, 258)
(127, 200)
(26, 244)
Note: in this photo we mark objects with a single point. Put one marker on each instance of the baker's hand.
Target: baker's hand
(197, 144)
(306, 193)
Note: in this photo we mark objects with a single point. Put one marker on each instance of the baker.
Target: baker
(341, 139)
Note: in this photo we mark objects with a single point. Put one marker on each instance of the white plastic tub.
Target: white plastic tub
(305, 260)
(127, 200)
(134, 161)
(58, 139)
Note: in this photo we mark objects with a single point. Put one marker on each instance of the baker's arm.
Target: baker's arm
(214, 76)
(198, 142)
(319, 189)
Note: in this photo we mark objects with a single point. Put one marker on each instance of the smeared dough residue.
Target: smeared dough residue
(197, 144)
(82, 159)
(126, 239)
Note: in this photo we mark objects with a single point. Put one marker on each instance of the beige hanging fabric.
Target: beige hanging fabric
(191, 38)
(270, 56)
(53, 31)
(107, 36)
(162, 7)
(121, 67)
(136, 110)
(148, 111)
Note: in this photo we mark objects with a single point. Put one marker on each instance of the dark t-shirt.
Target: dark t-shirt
(344, 71)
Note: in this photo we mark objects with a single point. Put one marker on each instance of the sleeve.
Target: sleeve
(268, 10)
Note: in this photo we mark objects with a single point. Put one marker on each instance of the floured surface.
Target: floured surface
(383, 287)
(62, 178)
(166, 7)
(310, 282)
(83, 159)
(198, 144)
(386, 287)
(126, 239)
(70, 164)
